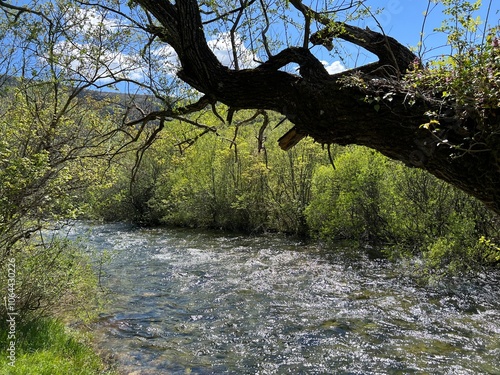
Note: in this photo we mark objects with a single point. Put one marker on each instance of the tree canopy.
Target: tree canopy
(441, 115)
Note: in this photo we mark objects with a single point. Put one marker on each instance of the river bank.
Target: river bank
(49, 347)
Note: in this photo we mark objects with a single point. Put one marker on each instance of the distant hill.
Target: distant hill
(121, 101)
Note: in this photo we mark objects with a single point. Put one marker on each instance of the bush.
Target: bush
(216, 183)
(52, 278)
(348, 203)
(408, 212)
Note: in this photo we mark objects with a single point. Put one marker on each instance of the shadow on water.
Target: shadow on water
(193, 302)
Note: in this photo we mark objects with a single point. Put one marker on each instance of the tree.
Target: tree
(332, 109)
(55, 141)
(439, 118)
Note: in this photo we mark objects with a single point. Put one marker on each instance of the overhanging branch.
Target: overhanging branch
(389, 51)
(310, 66)
(171, 112)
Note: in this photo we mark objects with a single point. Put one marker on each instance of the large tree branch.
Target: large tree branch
(167, 16)
(370, 109)
(389, 51)
(310, 67)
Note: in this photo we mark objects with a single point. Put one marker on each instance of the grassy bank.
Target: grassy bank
(47, 347)
(48, 281)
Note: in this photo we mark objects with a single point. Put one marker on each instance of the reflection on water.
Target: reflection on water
(189, 302)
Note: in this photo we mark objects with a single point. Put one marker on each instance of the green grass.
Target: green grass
(47, 347)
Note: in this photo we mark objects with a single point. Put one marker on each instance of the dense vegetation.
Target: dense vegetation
(70, 152)
(225, 182)
(44, 165)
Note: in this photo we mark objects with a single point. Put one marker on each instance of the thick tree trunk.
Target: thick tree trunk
(332, 110)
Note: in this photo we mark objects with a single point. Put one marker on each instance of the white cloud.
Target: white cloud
(95, 64)
(220, 46)
(167, 57)
(223, 50)
(88, 52)
(94, 57)
(334, 67)
(91, 53)
(89, 20)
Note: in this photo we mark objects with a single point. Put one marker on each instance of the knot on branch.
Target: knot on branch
(322, 38)
(417, 158)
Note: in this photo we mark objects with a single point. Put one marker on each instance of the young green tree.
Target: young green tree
(56, 140)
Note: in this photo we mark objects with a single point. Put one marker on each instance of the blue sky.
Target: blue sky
(401, 19)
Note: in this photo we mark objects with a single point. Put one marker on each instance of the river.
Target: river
(196, 302)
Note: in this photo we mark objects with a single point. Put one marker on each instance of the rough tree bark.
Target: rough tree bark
(331, 108)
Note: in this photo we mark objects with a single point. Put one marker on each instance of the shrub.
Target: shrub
(408, 212)
(52, 277)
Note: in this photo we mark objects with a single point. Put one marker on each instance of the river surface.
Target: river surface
(193, 302)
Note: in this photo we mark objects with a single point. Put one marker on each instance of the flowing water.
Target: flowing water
(192, 302)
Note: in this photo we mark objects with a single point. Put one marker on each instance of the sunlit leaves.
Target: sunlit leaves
(462, 25)
(466, 81)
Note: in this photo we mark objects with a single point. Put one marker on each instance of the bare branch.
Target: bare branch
(262, 129)
(19, 10)
(240, 9)
(232, 34)
(171, 112)
(207, 128)
(265, 29)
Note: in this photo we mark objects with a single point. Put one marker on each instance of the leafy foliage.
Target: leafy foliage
(414, 214)
(466, 81)
(224, 182)
(49, 148)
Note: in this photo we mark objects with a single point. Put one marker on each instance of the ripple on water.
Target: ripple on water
(204, 303)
